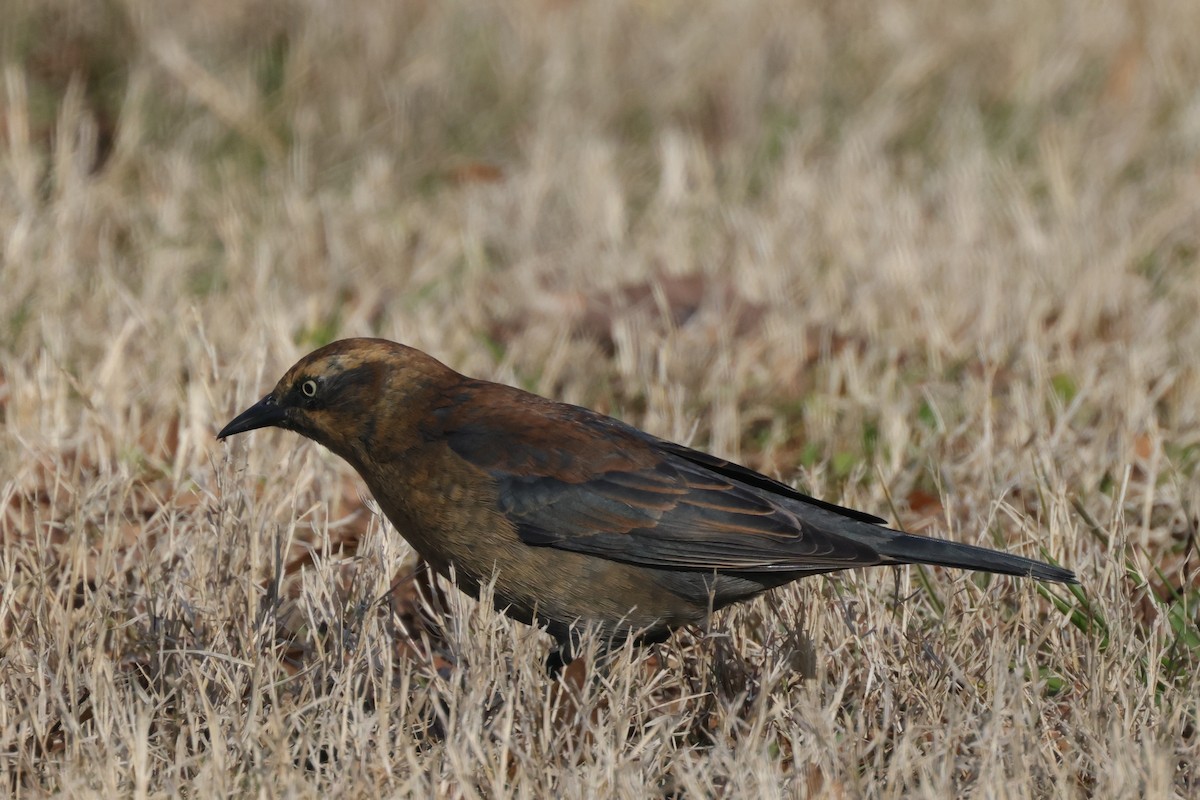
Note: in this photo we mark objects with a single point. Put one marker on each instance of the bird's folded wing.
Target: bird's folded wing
(609, 490)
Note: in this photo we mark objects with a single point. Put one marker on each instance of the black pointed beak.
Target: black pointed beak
(263, 414)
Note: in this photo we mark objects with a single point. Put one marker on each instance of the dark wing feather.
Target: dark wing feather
(756, 479)
(575, 480)
(701, 525)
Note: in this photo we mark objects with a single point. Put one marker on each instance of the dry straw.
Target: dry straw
(933, 260)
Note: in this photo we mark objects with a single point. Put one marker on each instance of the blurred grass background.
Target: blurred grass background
(936, 260)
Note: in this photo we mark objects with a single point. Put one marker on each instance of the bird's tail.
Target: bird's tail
(904, 548)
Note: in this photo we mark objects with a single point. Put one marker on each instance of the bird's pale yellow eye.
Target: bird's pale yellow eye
(309, 387)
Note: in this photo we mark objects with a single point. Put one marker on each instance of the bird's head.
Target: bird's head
(346, 395)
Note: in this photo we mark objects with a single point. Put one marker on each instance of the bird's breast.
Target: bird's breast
(443, 507)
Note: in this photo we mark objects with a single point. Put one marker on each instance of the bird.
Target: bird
(575, 518)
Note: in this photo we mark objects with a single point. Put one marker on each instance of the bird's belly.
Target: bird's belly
(568, 589)
(476, 546)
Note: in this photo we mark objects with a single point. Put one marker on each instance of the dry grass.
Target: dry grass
(935, 260)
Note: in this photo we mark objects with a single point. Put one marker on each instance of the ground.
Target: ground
(939, 261)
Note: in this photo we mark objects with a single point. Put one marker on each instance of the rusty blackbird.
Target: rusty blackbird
(577, 516)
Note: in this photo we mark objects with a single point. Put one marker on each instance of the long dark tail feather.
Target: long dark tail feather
(903, 548)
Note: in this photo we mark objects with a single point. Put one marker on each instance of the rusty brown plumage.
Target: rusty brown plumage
(577, 516)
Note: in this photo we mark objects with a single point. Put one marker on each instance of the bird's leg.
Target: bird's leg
(567, 641)
(559, 658)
